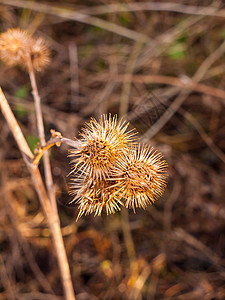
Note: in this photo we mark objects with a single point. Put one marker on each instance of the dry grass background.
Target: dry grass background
(176, 247)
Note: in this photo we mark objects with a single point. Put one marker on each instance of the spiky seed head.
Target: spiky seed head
(95, 195)
(141, 175)
(40, 54)
(102, 145)
(17, 45)
(14, 46)
(111, 170)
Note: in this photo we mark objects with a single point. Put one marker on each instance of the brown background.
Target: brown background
(177, 55)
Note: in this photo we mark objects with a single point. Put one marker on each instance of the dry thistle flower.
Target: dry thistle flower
(110, 169)
(141, 175)
(102, 145)
(40, 54)
(94, 195)
(17, 46)
(14, 46)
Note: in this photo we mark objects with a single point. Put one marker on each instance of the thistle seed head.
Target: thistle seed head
(40, 54)
(16, 46)
(112, 171)
(103, 144)
(94, 196)
(141, 175)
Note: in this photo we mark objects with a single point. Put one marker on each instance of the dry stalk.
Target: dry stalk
(5, 280)
(53, 220)
(124, 102)
(41, 133)
(79, 17)
(56, 139)
(154, 6)
(160, 79)
(177, 103)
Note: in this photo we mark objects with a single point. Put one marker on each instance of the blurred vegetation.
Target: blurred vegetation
(163, 70)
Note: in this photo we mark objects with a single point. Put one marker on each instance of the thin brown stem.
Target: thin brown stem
(206, 138)
(41, 151)
(76, 16)
(178, 102)
(5, 280)
(124, 101)
(43, 197)
(52, 142)
(41, 133)
(128, 236)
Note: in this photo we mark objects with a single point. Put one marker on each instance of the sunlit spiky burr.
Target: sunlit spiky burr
(141, 175)
(95, 195)
(102, 145)
(111, 170)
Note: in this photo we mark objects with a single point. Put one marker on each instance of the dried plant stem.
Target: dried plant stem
(41, 152)
(5, 280)
(128, 236)
(53, 221)
(76, 16)
(124, 103)
(9, 211)
(177, 103)
(52, 142)
(41, 133)
(74, 74)
(129, 242)
(150, 6)
(206, 138)
(168, 80)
